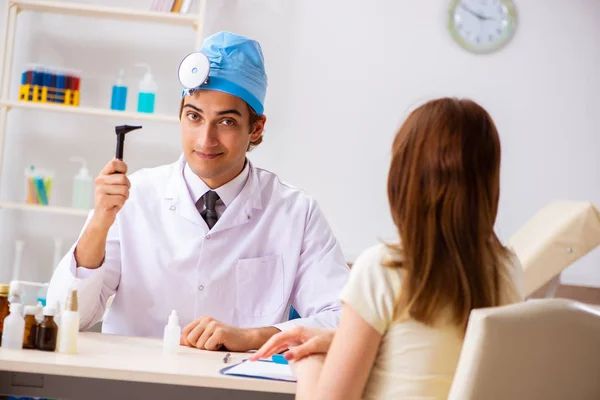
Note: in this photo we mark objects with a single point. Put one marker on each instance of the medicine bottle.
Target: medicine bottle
(47, 331)
(4, 307)
(31, 327)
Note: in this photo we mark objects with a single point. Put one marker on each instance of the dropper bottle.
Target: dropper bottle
(172, 334)
(69, 326)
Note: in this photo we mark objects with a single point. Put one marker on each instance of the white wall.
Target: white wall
(342, 77)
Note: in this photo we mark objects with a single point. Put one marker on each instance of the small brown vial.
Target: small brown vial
(47, 331)
(4, 310)
(31, 328)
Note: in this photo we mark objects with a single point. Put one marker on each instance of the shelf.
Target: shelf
(97, 112)
(45, 209)
(92, 10)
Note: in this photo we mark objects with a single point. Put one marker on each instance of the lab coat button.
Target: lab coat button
(172, 208)
(208, 236)
(201, 287)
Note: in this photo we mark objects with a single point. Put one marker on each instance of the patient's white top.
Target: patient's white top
(414, 361)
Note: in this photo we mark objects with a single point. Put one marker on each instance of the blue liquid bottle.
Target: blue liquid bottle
(118, 100)
(147, 92)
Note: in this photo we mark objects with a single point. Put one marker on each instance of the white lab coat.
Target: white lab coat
(271, 248)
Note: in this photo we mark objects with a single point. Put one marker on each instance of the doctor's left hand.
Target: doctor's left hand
(206, 333)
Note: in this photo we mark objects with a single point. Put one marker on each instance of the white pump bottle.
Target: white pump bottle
(83, 186)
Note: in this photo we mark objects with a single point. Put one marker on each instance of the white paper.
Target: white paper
(261, 369)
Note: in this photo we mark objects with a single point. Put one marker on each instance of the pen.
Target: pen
(226, 358)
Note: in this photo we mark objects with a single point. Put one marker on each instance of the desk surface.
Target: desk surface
(134, 359)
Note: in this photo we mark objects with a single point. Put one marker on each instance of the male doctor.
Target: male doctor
(224, 243)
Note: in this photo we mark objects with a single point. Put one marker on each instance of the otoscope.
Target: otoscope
(121, 130)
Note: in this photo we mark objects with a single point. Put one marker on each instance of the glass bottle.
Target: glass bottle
(47, 331)
(31, 328)
(4, 307)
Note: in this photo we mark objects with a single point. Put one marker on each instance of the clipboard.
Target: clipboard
(261, 369)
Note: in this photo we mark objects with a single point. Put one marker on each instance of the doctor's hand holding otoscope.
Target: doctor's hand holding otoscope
(111, 191)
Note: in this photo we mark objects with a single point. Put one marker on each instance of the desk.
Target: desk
(112, 366)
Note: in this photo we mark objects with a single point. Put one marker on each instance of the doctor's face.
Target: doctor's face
(216, 132)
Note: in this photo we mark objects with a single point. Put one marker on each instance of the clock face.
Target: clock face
(482, 26)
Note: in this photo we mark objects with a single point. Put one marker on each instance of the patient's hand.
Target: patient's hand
(209, 334)
(302, 342)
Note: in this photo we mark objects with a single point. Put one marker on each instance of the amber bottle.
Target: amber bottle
(47, 331)
(4, 307)
(31, 328)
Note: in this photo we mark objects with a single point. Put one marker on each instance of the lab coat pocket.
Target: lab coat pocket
(259, 286)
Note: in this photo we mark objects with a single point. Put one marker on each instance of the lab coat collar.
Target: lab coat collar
(227, 192)
(240, 211)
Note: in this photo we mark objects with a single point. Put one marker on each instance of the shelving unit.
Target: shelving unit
(95, 112)
(13, 8)
(87, 10)
(44, 209)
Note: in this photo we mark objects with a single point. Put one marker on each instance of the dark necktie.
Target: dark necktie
(210, 213)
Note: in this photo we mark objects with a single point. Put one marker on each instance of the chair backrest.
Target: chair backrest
(555, 237)
(539, 349)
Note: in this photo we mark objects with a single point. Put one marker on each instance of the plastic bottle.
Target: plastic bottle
(57, 256)
(118, 100)
(172, 334)
(147, 91)
(14, 328)
(69, 326)
(31, 327)
(15, 293)
(39, 308)
(19, 244)
(83, 186)
(47, 331)
(41, 297)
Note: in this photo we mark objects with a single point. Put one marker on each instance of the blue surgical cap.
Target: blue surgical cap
(236, 67)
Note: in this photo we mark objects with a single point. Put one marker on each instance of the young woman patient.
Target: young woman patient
(406, 305)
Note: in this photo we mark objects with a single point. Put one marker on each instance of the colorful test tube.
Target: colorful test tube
(60, 87)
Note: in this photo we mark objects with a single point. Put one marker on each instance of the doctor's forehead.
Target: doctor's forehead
(212, 101)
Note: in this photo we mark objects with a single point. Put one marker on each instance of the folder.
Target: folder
(262, 369)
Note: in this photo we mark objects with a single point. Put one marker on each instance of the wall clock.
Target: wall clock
(482, 26)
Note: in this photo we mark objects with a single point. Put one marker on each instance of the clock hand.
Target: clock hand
(477, 15)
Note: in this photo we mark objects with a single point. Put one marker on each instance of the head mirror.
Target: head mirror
(193, 71)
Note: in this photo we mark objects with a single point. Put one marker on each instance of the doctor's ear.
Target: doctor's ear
(257, 127)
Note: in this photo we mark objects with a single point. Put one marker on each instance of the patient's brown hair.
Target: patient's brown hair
(443, 190)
